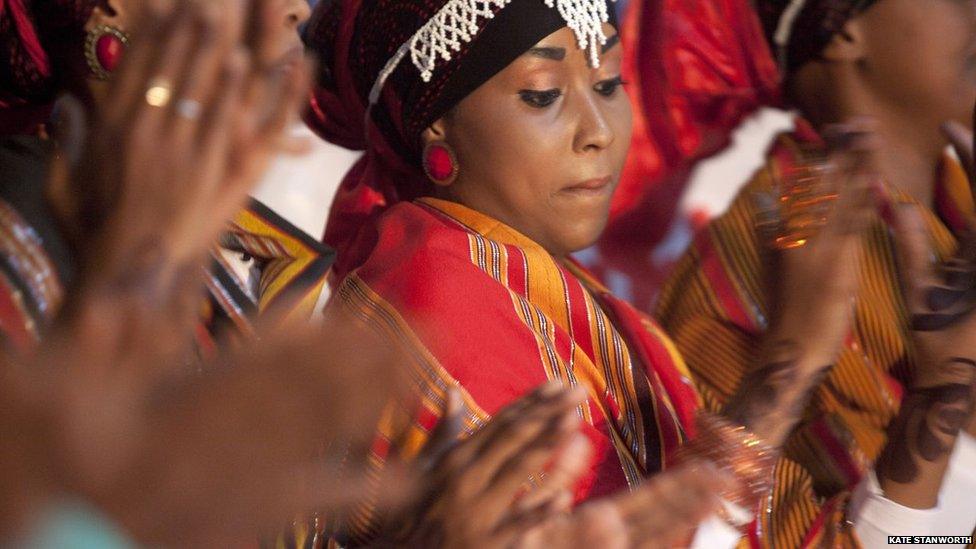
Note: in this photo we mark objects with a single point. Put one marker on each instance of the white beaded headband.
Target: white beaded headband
(459, 21)
(787, 24)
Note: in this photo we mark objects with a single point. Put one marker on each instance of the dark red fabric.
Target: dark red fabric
(696, 68)
(351, 55)
(29, 79)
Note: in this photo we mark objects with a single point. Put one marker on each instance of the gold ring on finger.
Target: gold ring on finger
(159, 93)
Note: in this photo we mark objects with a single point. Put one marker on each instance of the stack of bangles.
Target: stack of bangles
(734, 449)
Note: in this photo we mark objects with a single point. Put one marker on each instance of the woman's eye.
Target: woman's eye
(609, 87)
(540, 99)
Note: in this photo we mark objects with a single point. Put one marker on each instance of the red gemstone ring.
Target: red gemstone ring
(104, 46)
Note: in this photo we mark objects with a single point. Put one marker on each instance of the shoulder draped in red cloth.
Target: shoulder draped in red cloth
(477, 304)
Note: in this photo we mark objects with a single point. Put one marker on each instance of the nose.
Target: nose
(593, 132)
(296, 12)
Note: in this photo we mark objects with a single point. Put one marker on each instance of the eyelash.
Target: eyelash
(609, 87)
(542, 99)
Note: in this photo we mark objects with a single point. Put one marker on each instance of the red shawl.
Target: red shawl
(696, 69)
(477, 304)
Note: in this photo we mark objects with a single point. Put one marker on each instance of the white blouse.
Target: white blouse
(876, 517)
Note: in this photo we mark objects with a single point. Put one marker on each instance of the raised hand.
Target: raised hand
(278, 429)
(487, 473)
(941, 302)
(488, 476)
(815, 245)
(190, 120)
(183, 456)
(664, 512)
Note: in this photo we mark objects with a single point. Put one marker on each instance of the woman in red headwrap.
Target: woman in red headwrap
(900, 392)
(495, 132)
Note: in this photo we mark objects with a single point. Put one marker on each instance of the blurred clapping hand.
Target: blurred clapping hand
(512, 484)
(110, 410)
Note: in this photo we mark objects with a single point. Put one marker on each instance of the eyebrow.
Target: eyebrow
(558, 54)
(611, 42)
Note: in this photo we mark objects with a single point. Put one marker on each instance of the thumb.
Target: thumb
(447, 432)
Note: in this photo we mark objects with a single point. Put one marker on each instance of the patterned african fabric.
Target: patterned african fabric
(714, 306)
(293, 270)
(30, 289)
(478, 305)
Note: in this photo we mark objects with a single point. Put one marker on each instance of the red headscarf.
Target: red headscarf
(29, 79)
(701, 67)
(698, 67)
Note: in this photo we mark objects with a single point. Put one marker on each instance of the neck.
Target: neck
(906, 167)
(912, 146)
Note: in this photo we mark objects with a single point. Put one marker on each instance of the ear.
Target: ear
(848, 45)
(109, 12)
(435, 132)
(439, 161)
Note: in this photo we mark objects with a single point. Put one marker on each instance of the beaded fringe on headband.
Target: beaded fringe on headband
(459, 21)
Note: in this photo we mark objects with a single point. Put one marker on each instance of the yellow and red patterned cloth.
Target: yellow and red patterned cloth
(715, 308)
(31, 289)
(478, 305)
(293, 271)
(292, 267)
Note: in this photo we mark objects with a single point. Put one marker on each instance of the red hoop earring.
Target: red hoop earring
(104, 46)
(440, 164)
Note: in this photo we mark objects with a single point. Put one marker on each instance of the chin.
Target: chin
(583, 235)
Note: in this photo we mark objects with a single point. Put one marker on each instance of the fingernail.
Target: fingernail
(551, 388)
(883, 201)
(568, 422)
(454, 401)
(577, 394)
(579, 444)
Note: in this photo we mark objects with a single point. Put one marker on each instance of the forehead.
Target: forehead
(563, 46)
(566, 38)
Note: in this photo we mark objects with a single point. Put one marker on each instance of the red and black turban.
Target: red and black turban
(354, 40)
